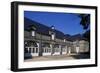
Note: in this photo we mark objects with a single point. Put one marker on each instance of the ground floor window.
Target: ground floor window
(46, 47)
(25, 50)
(64, 48)
(56, 48)
(31, 47)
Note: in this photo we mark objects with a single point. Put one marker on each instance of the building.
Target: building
(41, 40)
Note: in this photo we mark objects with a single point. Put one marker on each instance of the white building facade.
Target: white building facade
(49, 41)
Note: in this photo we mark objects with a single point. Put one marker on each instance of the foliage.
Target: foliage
(85, 20)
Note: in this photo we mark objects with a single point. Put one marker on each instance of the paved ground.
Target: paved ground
(58, 57)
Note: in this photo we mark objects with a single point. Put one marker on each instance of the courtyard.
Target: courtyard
(58, 57)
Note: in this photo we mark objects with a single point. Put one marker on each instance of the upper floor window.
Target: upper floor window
(53, 36)
(64, 40)
(33, 33)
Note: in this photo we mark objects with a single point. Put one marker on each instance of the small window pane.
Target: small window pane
(36, 50)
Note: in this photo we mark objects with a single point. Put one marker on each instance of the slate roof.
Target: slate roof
(43, 29)
(40, 28)
(78, 37)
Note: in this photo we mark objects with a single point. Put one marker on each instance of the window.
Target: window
(26, 50)
(52, 36)
(36, 50)
(29, 50)
(33, 50)
(33, 33)
(49, 50)
(64, 40)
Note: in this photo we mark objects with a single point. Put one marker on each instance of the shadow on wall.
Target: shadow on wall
(82, 56)
(28, 56)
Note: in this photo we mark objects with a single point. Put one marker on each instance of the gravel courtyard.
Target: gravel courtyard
(58, 57)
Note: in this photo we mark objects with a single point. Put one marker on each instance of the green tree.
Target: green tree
(85, 20)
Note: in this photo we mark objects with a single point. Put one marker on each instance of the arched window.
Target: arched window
(30, 43)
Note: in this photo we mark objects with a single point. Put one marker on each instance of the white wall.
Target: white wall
(5, 35)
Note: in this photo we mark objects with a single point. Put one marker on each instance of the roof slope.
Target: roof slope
(43, 29)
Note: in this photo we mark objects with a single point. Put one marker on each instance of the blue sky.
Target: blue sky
(68, 23)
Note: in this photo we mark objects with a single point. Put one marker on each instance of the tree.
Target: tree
(87, 35)
(85, 20)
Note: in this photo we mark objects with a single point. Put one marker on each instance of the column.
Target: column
(66, 50)
(69, 50)
(28, 49)
(51, 46)
(60, 49)
(40, 49)
(77, 50)
(31, 49)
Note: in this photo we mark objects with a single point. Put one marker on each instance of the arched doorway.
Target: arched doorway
(31, 47)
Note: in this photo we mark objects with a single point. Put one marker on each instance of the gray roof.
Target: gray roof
(43, 29)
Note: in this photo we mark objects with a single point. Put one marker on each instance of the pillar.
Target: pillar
(60, 48)
(66, 49)
(52, 49)
(28, 49)
(31, 49)
(40, 49)
(77, 50)
(69, 50)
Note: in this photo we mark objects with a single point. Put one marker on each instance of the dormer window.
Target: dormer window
(64, 40)
(52, 27)
(53, 36)
(33, 33)
(52, 32)
(32, 29)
